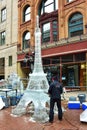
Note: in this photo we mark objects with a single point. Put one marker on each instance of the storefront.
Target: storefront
(70, 68)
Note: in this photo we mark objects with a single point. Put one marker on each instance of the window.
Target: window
(10, 60)
(54, 30)
(3, 14)
(2, 62)
(67, 58)
(69, 0)
(26, 40)
(80, 57)
(26, 14)
(75, 24)
(46, 32)
(2, 39)
(48, 6)
(50, 31)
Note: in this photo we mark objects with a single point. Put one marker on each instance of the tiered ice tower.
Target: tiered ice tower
(37, 85)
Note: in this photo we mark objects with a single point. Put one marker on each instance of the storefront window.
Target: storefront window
(80, 57)
(51, 71)
(71, 69)
(70, 75)
(83, 75)
(67, 58)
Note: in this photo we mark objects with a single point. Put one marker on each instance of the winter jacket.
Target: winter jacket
(55, 90)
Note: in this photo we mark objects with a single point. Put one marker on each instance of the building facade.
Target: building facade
(63, 26)
(8, 37)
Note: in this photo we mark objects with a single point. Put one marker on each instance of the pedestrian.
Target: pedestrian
(55, 90)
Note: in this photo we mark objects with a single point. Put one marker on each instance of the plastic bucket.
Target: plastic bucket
(13, 100)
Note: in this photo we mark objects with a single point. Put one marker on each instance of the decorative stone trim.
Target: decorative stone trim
(74, 39)
(84, 37)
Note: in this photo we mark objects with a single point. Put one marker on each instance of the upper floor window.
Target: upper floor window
(10, 60)
(69, 0)
(75, 24)
(55, 30)
(46, 32)
(2, 39)
(26, 40)
(3, 14)
(26, 13)
(50, 31)
(48, 6)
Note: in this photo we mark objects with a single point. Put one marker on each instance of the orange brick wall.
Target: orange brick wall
(66, 10)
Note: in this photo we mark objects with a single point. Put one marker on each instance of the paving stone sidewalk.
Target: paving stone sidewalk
(71, 119)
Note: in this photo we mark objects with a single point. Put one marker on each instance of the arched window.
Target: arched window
(69, 0)
(75, 24)
(48, 6)
(26, 13)
(26, 40)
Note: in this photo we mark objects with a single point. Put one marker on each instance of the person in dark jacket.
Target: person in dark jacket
(55, 90)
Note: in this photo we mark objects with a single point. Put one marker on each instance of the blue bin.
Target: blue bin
(84, 105)
(74, 104)
(13, 100)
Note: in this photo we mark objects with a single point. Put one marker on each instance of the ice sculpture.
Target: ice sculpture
(14, 82)
(36, 91)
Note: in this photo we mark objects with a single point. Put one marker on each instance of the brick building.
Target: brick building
(63, 26)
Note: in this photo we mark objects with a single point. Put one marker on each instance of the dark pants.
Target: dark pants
(52, 103)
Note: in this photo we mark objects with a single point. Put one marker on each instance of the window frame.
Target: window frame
(43, 6)
(3, 14)
(25, 42)
(69, 1)
(2, 38)
(10, 61)
(52, 32)
(46, 33)
(26, 13)
(75, 24)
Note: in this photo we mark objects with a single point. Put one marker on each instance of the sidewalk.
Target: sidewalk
(70, 120)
